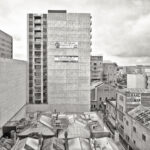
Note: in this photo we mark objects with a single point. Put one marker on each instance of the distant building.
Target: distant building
(130, 98)
(147, 73)
(13, 88)
(137, 128)
(136, 81)
(96, 68)
(100, 92)
(6, 45)
(110, 73)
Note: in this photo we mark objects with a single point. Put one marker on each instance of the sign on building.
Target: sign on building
(66, 44)
(66, 58)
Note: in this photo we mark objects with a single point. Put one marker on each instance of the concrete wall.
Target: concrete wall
(69, 82)
(13, 88)
(106, 91)
(136, 81)
(137, 136)
(121, 106)
(6, 45)
(110, 73)
(97, 68)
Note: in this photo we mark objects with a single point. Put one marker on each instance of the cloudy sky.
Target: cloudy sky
(120, 28)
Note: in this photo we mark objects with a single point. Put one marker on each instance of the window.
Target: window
(44, 15)
(95, 64)
(143, 137)
(37, 46)
(30, 29)
(134, 129)
(94, 68)
(30, 22)
(127, 123)
(134, 142)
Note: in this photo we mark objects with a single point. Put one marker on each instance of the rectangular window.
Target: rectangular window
(66, 58)
(127, 123)
(38, 46)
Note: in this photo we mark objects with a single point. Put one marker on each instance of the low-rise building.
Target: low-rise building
(127, 100)
(100, 92)
(111, 115)
(137, 128)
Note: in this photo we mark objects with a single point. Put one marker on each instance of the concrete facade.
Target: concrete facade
(137, 134)
(69, 47)
(100, 92)
(6, 45)
(13, 88)
(37, 57)
(110, 73)
(136, 81)
(97, 68)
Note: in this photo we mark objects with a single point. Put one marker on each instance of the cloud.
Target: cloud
(120, 28)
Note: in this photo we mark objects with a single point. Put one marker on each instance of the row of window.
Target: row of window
(134, 130)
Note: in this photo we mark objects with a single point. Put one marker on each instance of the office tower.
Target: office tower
(96, 68)
(37, 56)
(67, 54)
(6, 45)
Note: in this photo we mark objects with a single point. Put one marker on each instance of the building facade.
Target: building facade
(96, 68)
(13, 88)
(59, 46)
(137, 128)
(100, 92)
(6, 45)
(69, 47)
(110, 73)
(37, 57)
(136, 81)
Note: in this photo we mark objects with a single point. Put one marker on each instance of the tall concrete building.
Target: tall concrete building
(6, 45)
(67, 60)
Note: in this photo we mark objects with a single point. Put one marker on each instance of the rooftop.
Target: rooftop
(56, 130)
(142, 115)
(134, 90)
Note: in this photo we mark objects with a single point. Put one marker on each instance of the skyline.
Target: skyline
(120, 28)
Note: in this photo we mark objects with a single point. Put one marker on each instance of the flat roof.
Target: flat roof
(134, 90)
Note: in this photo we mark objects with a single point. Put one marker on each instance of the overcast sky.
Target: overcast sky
(120, 28)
